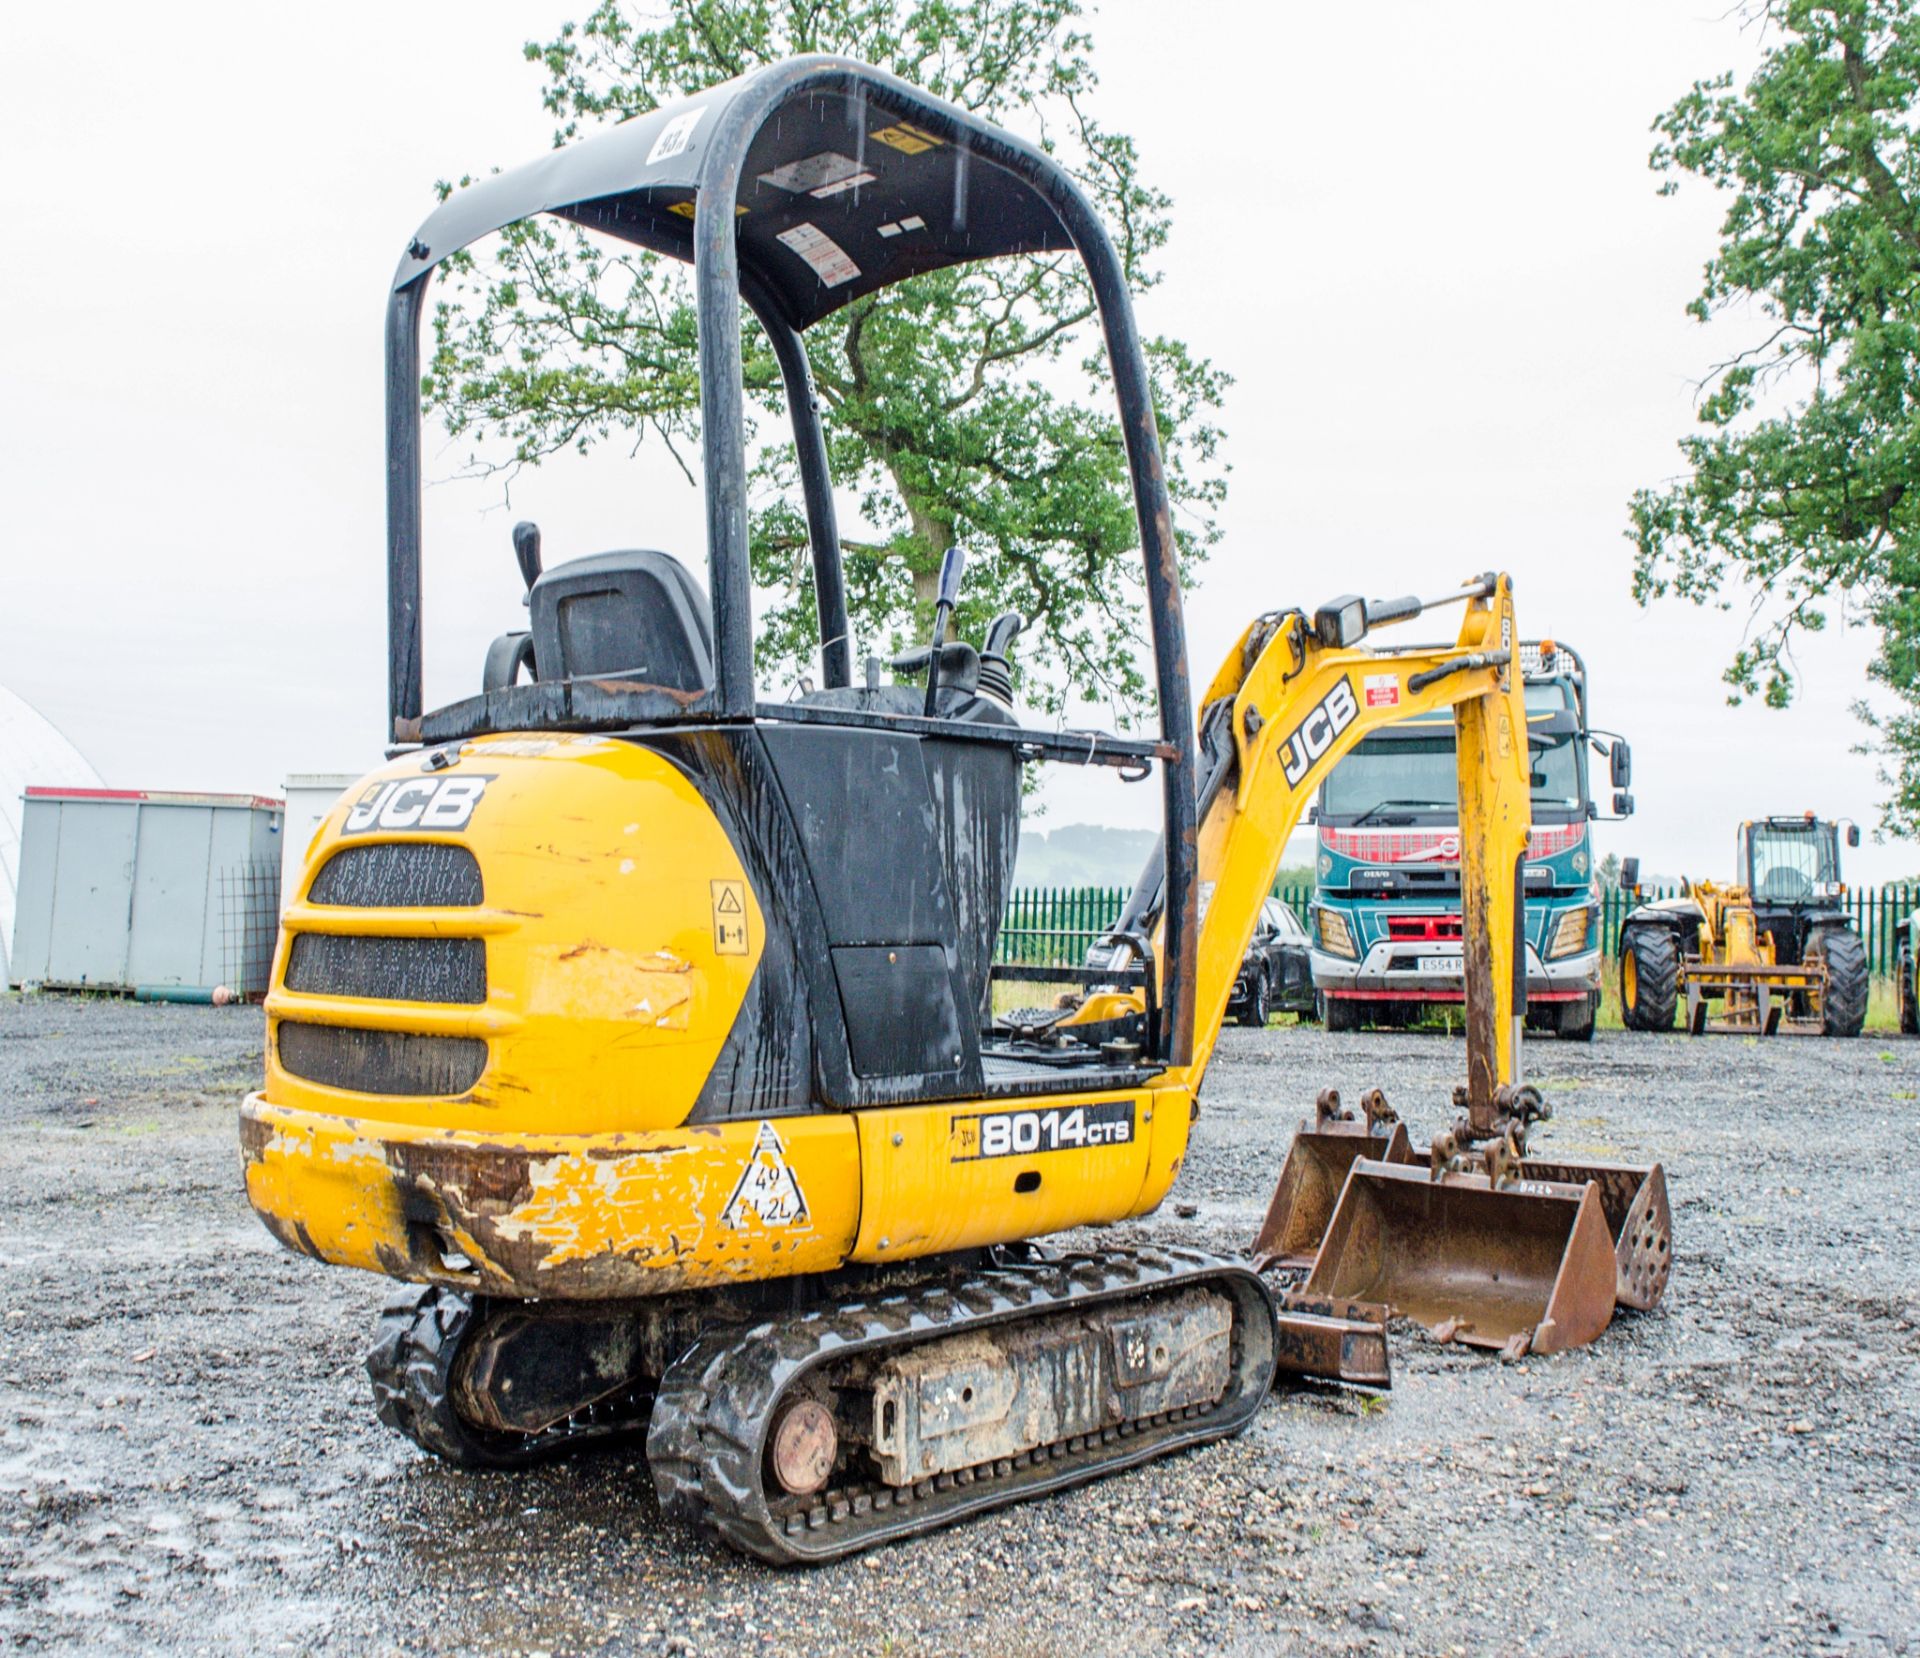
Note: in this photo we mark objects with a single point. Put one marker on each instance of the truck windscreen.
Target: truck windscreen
(1413, 777)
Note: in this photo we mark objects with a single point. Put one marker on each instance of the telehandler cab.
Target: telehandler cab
(647, 1024)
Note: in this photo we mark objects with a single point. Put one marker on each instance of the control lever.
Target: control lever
(952, 568)
(526, 548)
(996, 667)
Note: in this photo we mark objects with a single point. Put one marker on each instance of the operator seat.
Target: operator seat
(626, 615)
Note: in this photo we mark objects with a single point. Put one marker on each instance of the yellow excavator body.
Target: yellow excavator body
(645, 1027)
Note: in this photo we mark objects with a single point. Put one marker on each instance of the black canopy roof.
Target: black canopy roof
(851, 180)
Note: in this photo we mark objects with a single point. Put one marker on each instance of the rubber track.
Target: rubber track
(714, 1406)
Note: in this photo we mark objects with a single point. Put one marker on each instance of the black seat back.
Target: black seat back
(627, 615)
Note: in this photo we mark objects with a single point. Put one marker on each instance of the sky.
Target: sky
(1427, 248)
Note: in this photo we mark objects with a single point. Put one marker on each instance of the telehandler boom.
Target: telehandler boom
(646, 1024)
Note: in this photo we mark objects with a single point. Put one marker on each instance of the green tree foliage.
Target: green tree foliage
(970, 404)
(1800, 494)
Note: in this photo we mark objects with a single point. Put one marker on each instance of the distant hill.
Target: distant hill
(1093, 855)
(1081, 855)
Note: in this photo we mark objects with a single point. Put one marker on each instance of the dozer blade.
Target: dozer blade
(1633, 1197)
(1523, 1267)
(1313, 1174)
(1333, 1341)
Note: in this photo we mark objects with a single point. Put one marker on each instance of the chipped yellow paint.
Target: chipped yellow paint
(595, 1215)
(607, 996)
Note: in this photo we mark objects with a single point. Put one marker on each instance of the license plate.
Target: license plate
(1439, 964)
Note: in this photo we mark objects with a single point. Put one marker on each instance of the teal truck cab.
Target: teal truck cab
(1385, 916)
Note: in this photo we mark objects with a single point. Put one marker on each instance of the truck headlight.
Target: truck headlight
(1570, 936)
(1335, 938)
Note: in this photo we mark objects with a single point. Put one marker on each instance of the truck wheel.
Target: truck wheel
(1259, 1006)
(1574, 1020)
(1909, 995)
(1337, 1014)
(1649, 978)
(1843, 1011)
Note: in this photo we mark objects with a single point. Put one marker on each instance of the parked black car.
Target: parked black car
(1276, 977)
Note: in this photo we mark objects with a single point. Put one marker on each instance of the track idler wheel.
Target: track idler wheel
(550, 1378)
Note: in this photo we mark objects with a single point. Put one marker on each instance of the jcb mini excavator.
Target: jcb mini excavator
(647, 1024)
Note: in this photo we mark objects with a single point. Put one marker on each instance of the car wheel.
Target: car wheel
(1259, 1003)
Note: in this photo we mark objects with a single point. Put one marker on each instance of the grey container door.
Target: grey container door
(173, 919)
(76, 889)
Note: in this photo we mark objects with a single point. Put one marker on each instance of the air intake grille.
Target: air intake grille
(381, 1061)
(389, 969)
(399, 874)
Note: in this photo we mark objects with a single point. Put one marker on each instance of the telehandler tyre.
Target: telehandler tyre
(1844, 1008)
(1649, 978)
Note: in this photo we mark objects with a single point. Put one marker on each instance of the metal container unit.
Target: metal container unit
(311, 796)
(155, 893)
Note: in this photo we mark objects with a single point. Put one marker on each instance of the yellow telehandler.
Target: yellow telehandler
(1775, 949)
(643, 1026)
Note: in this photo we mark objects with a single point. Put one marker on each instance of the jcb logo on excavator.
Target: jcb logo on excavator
(1314, 735)
(441, 803)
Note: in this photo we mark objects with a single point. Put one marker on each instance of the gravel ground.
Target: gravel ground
(189, 1462)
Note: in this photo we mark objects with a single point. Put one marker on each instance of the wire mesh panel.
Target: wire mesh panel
(249, 924)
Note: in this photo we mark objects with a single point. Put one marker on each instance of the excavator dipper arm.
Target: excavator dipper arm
(1294, 696)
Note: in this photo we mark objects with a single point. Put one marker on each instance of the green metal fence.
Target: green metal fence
(1053, 926)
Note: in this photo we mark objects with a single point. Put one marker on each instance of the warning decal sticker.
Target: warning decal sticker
(828, 259)
(729, 917)
(768, 1190)
(908, 140)
(686, 209)
(1383, 690)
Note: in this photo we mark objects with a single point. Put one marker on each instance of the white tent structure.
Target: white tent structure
(31, 751)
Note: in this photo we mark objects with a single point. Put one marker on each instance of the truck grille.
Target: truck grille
(399, 875)
(389, 969)
(379, 1061)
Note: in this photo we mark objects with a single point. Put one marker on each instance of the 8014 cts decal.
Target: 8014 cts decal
(1058, 1128)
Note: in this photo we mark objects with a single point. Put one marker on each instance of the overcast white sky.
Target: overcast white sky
(1426, 244)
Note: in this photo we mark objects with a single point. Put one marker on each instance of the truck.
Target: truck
(1385, 914)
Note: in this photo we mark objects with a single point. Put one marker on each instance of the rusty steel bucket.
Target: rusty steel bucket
(1633, 1197)
(1316, 1170)
(1526, 1266)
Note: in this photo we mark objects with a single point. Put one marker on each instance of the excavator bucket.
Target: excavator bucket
(1316, 1169)
(1522, 1266)
(1633, 1197)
